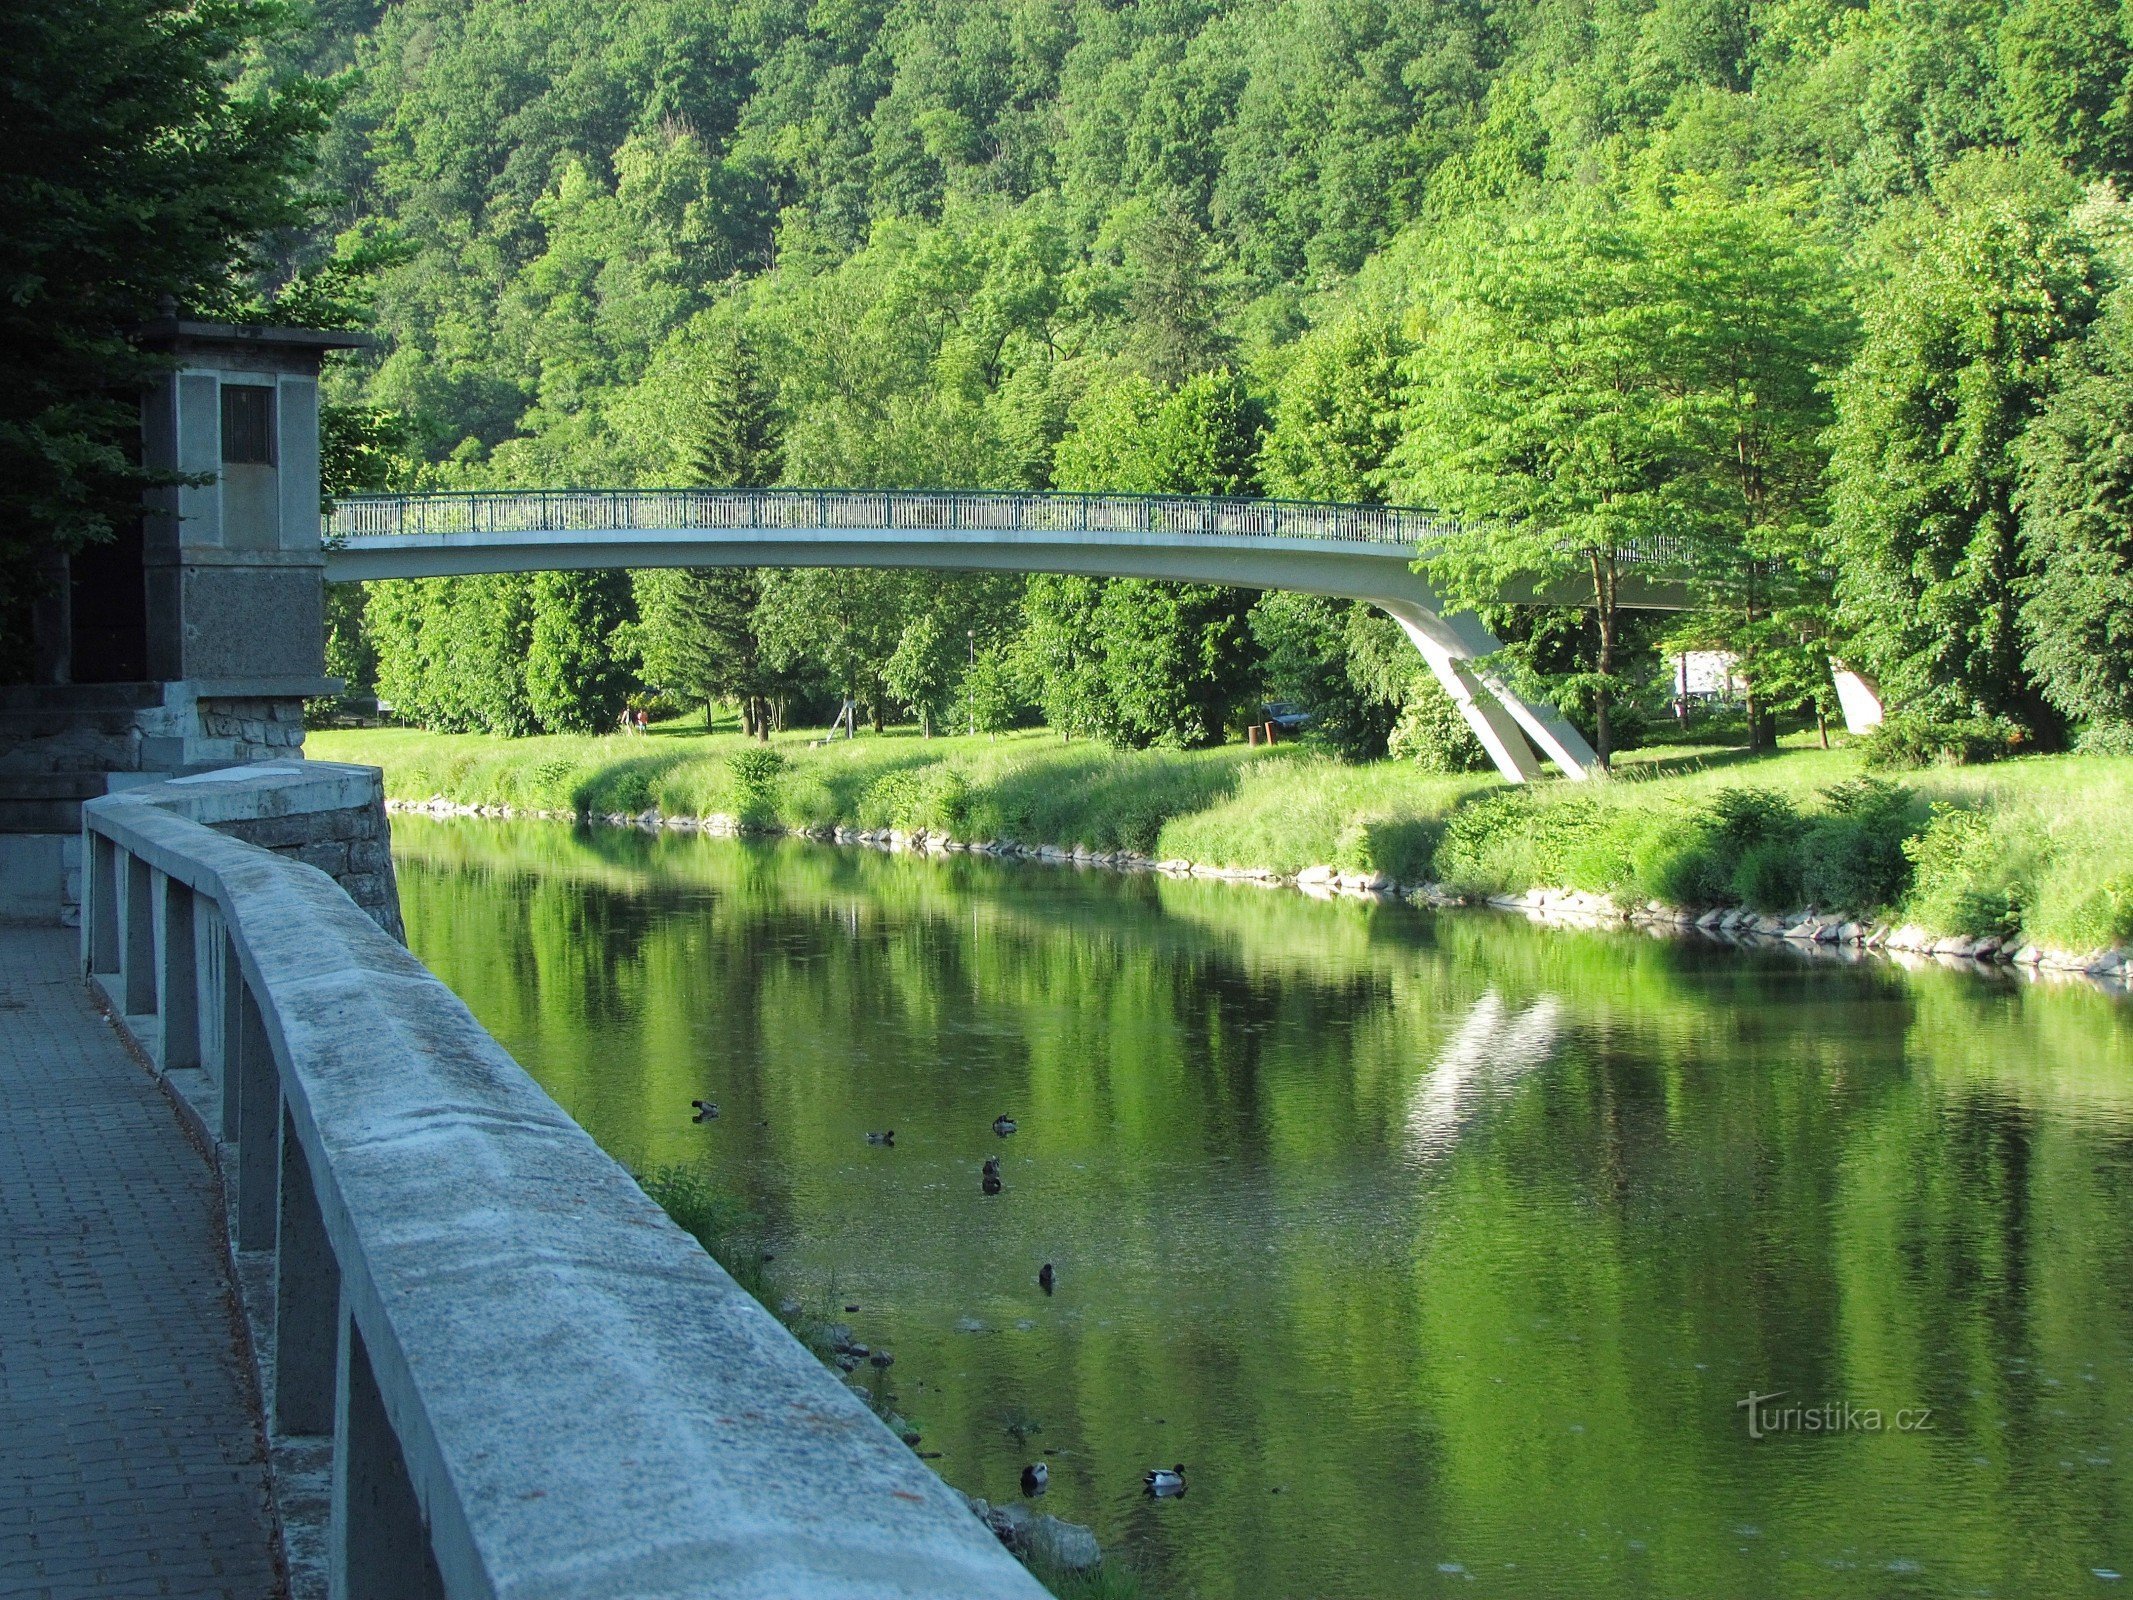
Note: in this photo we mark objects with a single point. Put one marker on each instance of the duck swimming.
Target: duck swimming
(1165, 1481)
(706, 1111)
(1035, 1477)
(1003, 1125)
(888, 1138)
(992, 1166)
(990, 1183)
(1044, 1277)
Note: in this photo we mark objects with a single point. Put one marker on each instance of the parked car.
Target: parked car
(1286, 715)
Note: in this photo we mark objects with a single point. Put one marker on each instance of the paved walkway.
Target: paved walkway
(130, 1454)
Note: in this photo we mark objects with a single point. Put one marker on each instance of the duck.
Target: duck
(1035, 1477)
(1044, 1277)
(1162, 1481)
(1003, 1125)
(888, 1138)
(990, 1183)
(992, 1166)
(706, 1110)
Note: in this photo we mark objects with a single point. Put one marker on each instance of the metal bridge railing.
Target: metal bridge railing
(484, 513)
(919, 510)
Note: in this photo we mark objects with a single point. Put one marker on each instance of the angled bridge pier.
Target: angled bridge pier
(1352, 552)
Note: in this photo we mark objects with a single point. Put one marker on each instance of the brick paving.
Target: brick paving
(130, 1449)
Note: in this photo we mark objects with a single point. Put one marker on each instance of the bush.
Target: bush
(1432, 732)
(2105, 739)
(938, 799)
(1962, 880)
(1512, 840)
(755, 780)
(1852, 858)
(1922, 742)
(1741, 847)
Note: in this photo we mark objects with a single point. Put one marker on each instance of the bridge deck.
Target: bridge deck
(130, 1454)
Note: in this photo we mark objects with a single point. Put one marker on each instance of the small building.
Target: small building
(192, 638)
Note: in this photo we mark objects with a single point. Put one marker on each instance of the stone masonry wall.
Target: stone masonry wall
(352, 846)
(322, 813)
(258, 729)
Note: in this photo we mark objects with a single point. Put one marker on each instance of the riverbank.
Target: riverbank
(2025, 862)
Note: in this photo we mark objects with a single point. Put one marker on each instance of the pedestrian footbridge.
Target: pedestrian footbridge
(1355, 552)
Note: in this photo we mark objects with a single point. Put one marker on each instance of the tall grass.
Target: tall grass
(2034, 849)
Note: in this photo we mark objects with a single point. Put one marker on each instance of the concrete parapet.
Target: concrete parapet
(539, 1385)
(324, 813)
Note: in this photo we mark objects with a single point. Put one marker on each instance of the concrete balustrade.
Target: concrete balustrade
(536, 1385)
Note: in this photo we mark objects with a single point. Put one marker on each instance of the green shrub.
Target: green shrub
(1962, 880)
(2105, 739)
(755, 780)
(1767, 876)
(1515, 839)
(1921, 742)
(939, 799)
(1433, 733)
(1672, 861)
(1852, 857)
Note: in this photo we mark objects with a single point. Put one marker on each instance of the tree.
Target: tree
(1537, 413)
(1757, 319)
(696, 632)
(137, 173)
(1139, 662)
(1338, 416)
(1329, 656)
(1978, 285)
(577, 671)
(2076, 505)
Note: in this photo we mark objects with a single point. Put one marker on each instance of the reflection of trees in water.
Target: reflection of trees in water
(1817, 1179)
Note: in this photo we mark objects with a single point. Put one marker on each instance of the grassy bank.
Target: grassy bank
(2036, 849)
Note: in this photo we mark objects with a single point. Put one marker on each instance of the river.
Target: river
(1442, 1249)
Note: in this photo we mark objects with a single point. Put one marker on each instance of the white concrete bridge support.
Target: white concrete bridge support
(1501, 720)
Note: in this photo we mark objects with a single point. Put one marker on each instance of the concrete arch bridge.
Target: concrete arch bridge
(1353, 552)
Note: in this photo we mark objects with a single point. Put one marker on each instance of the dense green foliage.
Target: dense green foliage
(1782, 298)
(135, 177)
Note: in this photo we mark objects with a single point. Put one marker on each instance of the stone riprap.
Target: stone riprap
(537, 1383)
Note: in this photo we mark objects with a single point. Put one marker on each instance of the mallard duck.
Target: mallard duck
(1035, 1477)
(888, 1138)
(992, 1166)
(1165, 1480)
(990, 1183)
(1044, 1277)
(706, 1111)
(1003, 1125)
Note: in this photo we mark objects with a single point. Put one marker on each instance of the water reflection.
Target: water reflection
(1441, 1249)
(1488, 1054)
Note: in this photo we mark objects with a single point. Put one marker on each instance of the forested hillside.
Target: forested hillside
(1825, 291)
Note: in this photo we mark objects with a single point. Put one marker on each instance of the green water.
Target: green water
(1440, 1249)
